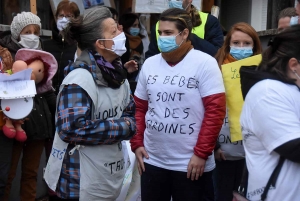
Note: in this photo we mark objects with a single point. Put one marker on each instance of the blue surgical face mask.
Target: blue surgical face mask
(167, 43)
(241, 52)
(175, 4)
(134, 31)
(294, 20)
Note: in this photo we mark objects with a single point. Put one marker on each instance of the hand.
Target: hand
(186, 4)
(140, 153)
(131, 66)
(219, 155)
(195, 167)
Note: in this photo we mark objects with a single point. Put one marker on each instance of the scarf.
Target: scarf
(177, 55)
(229, 59)
(113, 73)
(134, 41)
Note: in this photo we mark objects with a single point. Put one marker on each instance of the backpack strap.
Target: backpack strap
(273, 178)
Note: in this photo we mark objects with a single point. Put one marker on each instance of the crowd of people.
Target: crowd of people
(102, 85)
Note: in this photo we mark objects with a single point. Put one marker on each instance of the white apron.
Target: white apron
(102, 167)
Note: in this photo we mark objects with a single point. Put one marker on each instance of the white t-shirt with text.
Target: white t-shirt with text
(270, 118)
(175, 107)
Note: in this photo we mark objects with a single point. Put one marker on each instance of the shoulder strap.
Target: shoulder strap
(244, 181)
(273, 178)
(271, 181)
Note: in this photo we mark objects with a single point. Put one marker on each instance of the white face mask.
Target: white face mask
(119, 44)
(62, 23)
(30, 41)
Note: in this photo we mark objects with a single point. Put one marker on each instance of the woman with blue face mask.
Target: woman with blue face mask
(180, 107)
(131, 28)
(206, 34)
(241, 42)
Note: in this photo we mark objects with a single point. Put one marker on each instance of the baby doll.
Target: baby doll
(40, 76)
(40, 124)
(13, 129)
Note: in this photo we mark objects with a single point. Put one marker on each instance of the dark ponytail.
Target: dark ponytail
(286, 45)
(195, 16)
(87, 29)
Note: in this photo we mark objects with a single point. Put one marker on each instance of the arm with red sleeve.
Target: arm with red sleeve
(140, 113)
(215, 111)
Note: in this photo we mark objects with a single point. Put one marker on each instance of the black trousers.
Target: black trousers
(160, 185)
(228, 178)
(6, 146)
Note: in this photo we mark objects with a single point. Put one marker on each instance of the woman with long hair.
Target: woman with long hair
(241, 42)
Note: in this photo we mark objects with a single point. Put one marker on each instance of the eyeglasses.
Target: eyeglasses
(66, 16)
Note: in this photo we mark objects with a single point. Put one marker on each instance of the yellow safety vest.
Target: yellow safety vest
(199, 30)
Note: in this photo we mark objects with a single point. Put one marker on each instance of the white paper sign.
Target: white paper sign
(17, 85)
(157, 6)
(17, 89)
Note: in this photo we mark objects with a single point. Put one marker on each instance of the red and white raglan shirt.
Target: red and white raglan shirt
(179, 110)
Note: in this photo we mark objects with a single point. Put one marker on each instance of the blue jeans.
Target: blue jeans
(161, 184)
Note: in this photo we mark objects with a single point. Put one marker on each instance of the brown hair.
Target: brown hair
(180, 17)
(285, 45)
(288, 12)
(69, 7)
(196, 19)
(7, 59)
(245, 28)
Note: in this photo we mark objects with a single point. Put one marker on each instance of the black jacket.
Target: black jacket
(249, 77)
(7, 42)
(40, 123)
(63, 53)
(213, 39)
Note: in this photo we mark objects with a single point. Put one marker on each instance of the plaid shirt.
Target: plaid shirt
(75, 126)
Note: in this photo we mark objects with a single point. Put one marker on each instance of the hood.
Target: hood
(7, 42)
(250, 75)
(87, 61)
(26, 54)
